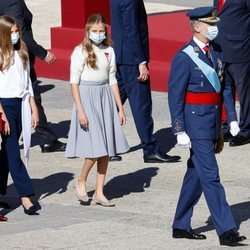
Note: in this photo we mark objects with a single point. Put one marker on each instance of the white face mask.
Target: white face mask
(212, 32)
(97, 37)
(15, 37)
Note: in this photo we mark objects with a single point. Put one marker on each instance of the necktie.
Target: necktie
(220, 5)
(208, 54)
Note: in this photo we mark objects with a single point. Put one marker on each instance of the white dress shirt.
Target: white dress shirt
(15, 83)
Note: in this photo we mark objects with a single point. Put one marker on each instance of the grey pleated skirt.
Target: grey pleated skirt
(104, 135)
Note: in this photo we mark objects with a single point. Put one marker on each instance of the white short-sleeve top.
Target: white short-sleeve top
(15, 81)
(106, 65)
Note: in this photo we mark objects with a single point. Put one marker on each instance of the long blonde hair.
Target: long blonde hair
(6, 46)
(87, 43)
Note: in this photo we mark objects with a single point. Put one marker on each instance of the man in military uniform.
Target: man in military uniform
(196, 89)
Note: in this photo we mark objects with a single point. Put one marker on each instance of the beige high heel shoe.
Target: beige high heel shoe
(96, 201)
(83, 198)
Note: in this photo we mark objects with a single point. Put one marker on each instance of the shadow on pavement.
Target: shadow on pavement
(241, 213)
(135, 182)
(55, 183)
(165, 138)
(45, 88)
(61, 129)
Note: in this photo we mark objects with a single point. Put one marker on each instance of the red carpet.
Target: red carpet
(167, 33)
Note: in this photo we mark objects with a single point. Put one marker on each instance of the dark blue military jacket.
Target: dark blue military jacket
(199, 121)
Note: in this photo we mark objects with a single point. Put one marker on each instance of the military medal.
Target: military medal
(196, 49)
(220, 71)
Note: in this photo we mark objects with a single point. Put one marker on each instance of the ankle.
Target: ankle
(26, 202)
(81, 179)
(100, 195)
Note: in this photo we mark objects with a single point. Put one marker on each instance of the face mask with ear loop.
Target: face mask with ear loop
(97, 37)
(212, 32)
(15, 37)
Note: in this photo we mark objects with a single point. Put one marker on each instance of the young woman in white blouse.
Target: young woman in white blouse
(98, 116)
(16, 104)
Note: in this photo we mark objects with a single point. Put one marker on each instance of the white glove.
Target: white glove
(183, 140)
(234, 128)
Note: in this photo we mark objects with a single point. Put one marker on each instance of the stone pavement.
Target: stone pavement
(145, 194)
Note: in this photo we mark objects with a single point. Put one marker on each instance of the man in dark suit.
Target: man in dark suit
(17, 9)
(234, 39)
(196, 87)
(130, 36)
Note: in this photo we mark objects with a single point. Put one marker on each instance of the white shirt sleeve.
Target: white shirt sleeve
(112, 68)
(77, 65)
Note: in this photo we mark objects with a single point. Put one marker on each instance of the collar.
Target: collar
(200, 43)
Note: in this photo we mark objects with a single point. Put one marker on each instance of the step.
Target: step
(167, 34)
(75, 13)
(172, 26)
(159, 70)
(59, 69)
(164, 39)
(162, 49)
(66, 38)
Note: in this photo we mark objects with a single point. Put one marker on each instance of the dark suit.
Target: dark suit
(201, 122)
(234, 39)
(18, 10)
(130, 37)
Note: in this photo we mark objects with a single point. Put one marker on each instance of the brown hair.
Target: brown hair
(6, 46)
(87, 43)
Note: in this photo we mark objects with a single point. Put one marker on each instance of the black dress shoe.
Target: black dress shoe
(231, 238)
(160, 157)
(115, 158)
(55, 146)
(184, 234)
(228, 137)
(31, 210)
(238, 141)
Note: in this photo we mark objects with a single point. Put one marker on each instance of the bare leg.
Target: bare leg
(82, 179)
(102, 166)
(26, 202)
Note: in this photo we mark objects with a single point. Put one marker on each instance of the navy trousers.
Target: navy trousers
(240, 74)
(46, 134)
(203, 176)
(139, 96)
(10, 160)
